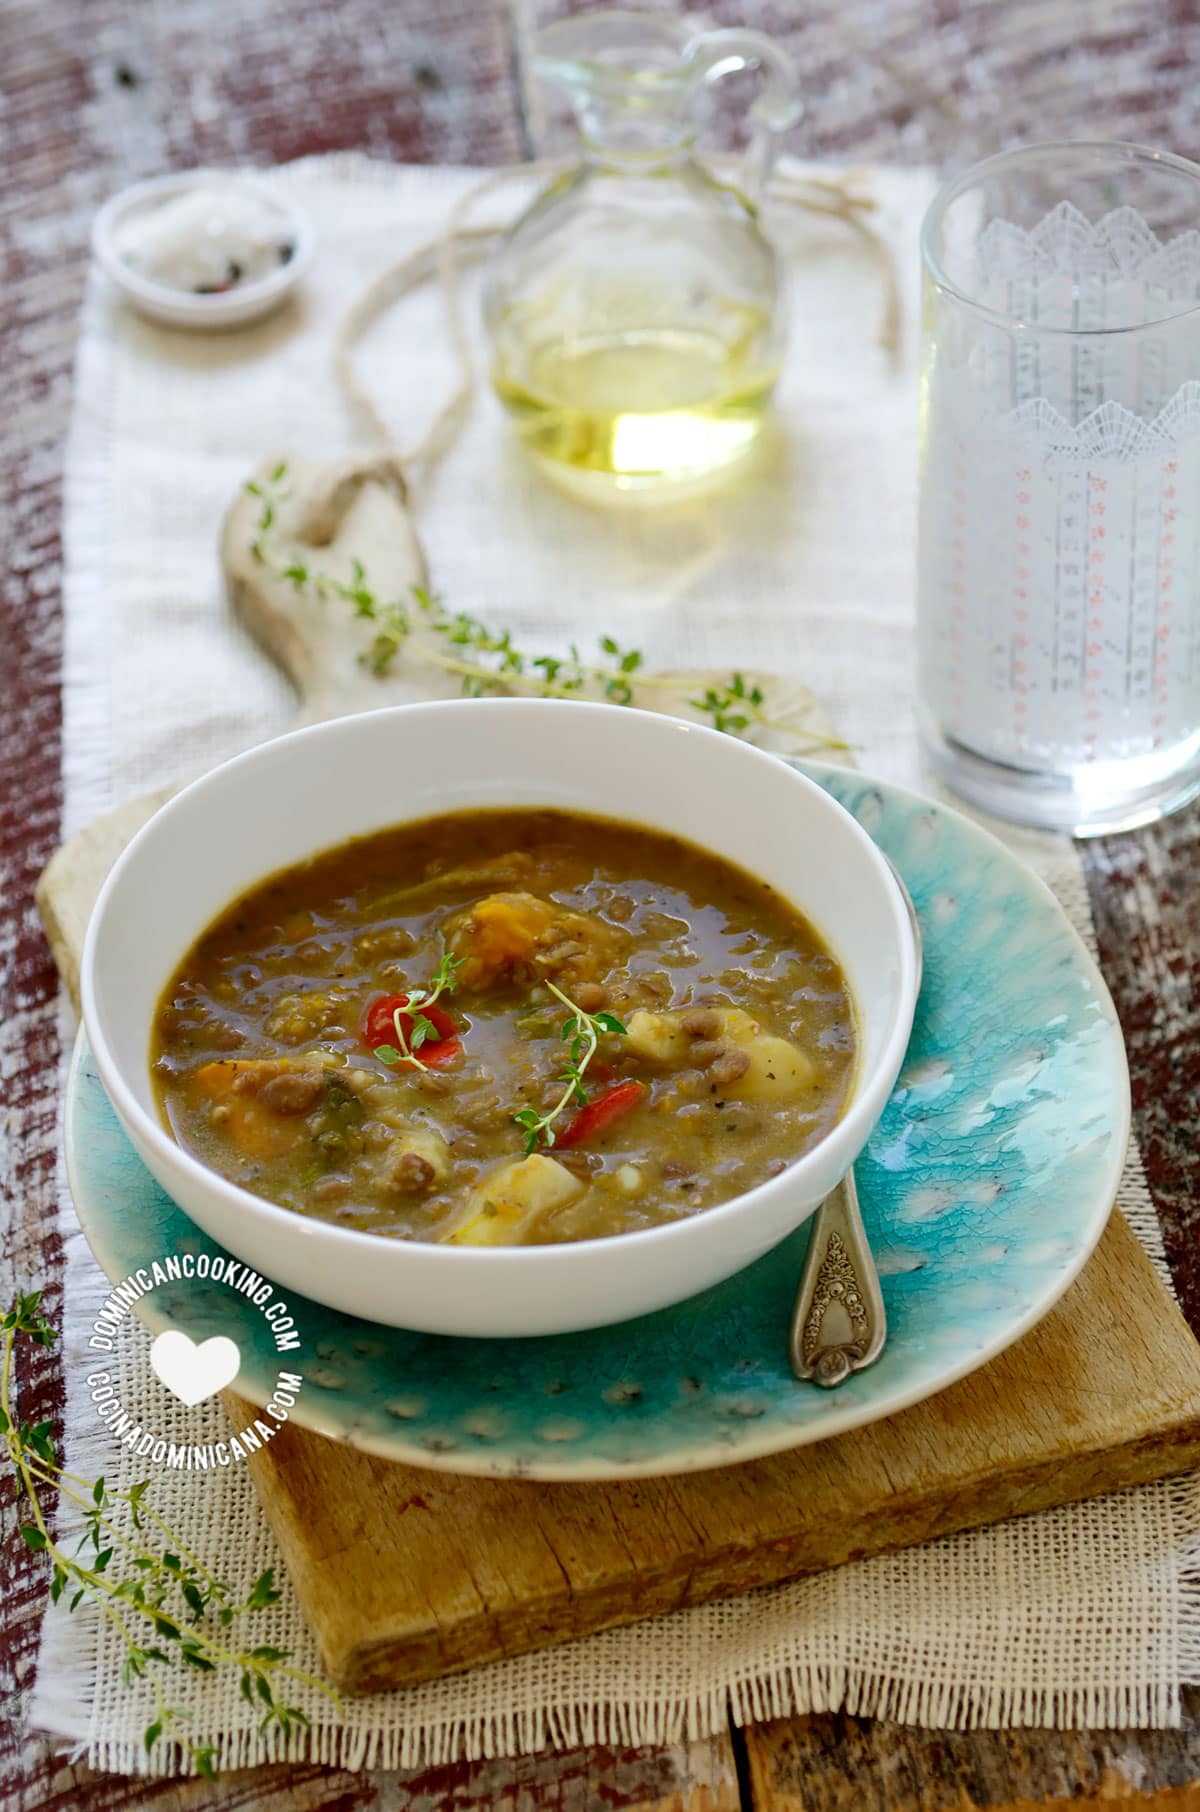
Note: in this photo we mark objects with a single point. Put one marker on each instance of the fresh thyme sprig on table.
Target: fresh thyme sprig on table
(163, 1602)
(421, 1029)
(487, 660)
(582, 1031)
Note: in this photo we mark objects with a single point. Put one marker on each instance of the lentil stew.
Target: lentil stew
(505, 1027)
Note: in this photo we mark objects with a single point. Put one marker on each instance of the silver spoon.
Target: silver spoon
(838, 1322)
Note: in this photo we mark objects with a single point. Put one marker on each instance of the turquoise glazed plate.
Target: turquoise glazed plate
(985, 1186)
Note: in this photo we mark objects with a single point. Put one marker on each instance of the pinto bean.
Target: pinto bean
(583, 1164)
(385, 941)
(295, 1092)
(224, 1037)
(250, 1078)
(730, 1066)
(701, 1022)
(406, 1173)
(330, 1189)
(590, 996)
(559, 952)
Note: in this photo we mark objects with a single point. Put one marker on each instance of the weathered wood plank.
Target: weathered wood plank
(1146, 909)
(686, 1777)
(845, 1764)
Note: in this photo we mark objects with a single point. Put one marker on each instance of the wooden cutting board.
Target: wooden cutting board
(405, 1574)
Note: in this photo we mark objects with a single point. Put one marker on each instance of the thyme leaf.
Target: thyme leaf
(420, 1029)
(581, 1033)
(487, 661)
(166, 1607)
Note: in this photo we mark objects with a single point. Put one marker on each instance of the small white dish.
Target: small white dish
(235, 307)
(284, 801)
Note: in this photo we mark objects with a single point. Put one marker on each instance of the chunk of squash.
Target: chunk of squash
(519, 936)
(498, 935)
(245, 1121)
(504, 1206)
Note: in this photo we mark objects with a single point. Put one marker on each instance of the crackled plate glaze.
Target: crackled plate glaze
(985, 1186)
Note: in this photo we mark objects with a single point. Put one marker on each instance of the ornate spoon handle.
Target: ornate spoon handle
(838, 1323)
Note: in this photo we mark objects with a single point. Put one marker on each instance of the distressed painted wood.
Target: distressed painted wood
(94, 99)
(845, 1764)
(684, 1777)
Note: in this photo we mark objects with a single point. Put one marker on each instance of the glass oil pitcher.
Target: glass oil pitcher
(635, 312)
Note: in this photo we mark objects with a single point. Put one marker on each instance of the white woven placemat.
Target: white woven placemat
(1086, 1615)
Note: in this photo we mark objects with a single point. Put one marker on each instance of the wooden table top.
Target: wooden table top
(96, 93)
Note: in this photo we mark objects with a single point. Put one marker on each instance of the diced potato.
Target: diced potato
(410, 1164)
(659, 1037)
(426, 1142)
(777, 1070)
(246, 1121)
(386, 1099)
(503, 1207)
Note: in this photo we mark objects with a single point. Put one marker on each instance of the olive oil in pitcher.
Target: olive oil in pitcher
(634, 311)
(661, 406)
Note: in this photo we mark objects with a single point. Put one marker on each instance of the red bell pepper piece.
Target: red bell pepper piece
(602, 1113)
(379, 1027)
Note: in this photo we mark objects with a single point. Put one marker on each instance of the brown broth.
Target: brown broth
(283, 976)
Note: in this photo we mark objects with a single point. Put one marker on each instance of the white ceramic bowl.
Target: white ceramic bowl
(180, 308)
(320, 786)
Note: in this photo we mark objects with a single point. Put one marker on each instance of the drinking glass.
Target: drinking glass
(1059, 562)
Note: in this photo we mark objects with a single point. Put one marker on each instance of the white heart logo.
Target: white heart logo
(192, 1372)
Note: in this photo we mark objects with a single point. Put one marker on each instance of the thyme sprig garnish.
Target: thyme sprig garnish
(581, 1033)
(487, 661)
(165, 1605)
(420, 1029)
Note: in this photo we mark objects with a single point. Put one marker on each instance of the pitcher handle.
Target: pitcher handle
(713, 54)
